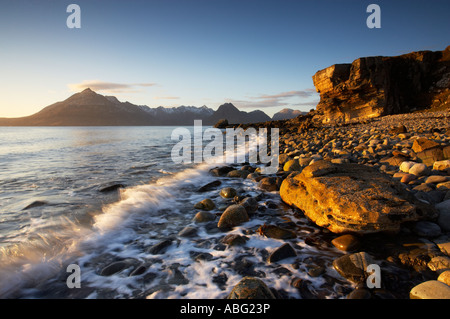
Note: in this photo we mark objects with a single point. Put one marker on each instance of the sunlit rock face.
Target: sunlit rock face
(376, 86)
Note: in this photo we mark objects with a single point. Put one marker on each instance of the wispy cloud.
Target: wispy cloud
(166, 97)
(109, 87)
(284, 95)
(307, 97)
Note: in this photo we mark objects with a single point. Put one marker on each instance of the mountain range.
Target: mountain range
(88, 108)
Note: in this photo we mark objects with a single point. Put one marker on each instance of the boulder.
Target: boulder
(206, 204)
(228, 192)
(431, 289)
(234, 240)
(203, 217)
(210, 186)
(276, 232)
(250, 204)
(188, 231)
(292, 165)
(160, 247)
(431, 155)
(421, 144)
(270, 184)
(418, 169)
(251, 288)
(441, 165)
(445, 277)
(347, 242)
(234, 215)
(352, 198)
(353, 266)
(282, 252)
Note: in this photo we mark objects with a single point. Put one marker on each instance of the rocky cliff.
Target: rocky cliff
(376, 86)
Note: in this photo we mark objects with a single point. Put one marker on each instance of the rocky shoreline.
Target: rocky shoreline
(346, 197)
(409, 236)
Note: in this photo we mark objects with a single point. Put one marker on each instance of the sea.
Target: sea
(100, 197)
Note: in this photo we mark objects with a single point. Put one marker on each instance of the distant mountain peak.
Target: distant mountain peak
(87, 91)
(88, 108)
(227, 108)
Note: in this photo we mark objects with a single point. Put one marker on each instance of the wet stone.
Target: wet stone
(188, 231)
(200, 256)
(203, 217)
(234, 215)
(251, 288)
(228, 192)
(234, 240)
(210, 186)
(160, 247)
(282, 252)
(176, 277)
(206, 204)
(118, 266)
(346, 242)
(276, 232)
(427, 229)
(353, 267)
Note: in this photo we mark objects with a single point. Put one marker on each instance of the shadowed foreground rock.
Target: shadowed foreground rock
(351, 198)
(251, 288)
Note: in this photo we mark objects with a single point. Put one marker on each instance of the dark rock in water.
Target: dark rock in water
(110, 187)
(210, 186)
(160, 247)
(276, 232)
(188, 231)
(245, 267)
(176, 277)
(138, 271)
(250, 204)
(251, 288)
(282, 252)
(220, 280)
(200, 256)
(234, 240)
(315, 270)
(221, 171)
(36, 203)
(302, 286)
(117, 266)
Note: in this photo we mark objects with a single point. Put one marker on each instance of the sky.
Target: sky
(255, 54)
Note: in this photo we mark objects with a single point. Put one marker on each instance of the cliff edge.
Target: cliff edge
(376, 86)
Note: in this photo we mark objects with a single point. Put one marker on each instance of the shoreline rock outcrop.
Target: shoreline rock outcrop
(376, 86)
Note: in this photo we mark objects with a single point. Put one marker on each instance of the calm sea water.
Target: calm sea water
(52, 214)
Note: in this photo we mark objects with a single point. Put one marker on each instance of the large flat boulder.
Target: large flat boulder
(352, 198)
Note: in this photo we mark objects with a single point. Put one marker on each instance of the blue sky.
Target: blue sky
(255, 54)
